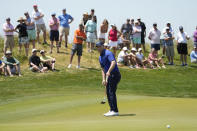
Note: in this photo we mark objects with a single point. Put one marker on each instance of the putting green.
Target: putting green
(83, 112)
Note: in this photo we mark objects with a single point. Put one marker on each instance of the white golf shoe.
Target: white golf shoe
(78, 67)
(111, 113)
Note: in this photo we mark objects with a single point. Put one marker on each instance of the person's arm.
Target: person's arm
(71, 20)
(6, 62)
(119, 33)
(112, 66)
(8, 30)
(149, 36)
(104, 82)
(17, 62)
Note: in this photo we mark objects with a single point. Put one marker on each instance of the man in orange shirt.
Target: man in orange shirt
(79, 37)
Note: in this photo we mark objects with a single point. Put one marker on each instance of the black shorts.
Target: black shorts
(54, 35)
(77, 48)
(182, 48)
(47, 65)
(155, 46)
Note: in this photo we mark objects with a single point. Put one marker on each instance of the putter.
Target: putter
(104, 99)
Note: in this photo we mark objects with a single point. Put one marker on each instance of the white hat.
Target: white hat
(124, 49)
(140, 49)
(8, 52)
(42, 51)
(34, 50)
(136, 22)
(105, 44)
(167, 28)
(134, 49)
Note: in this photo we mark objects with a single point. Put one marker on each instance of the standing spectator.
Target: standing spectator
(2, 67)
(92, 14)
(154, 36)
(91, 32)
(195, 37)
(137, 35)
(124, 40)
(168, 37)
(113, 36)
(85, 19)
(47, 61)
(79, 37)
(8, 29)
(103, 30)
(162, 37)
(143, 33)
(21, 28)
(40, 25)
(193, 55)
(65, 21)
(54, 32)
(12, 64)
(155, 60)
(30, 29)
(127, 30)
(132, 24)
(182, 38)
(35, 63)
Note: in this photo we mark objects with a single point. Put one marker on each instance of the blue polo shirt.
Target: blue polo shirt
(105, 60)
(0, 62)
(64, 20)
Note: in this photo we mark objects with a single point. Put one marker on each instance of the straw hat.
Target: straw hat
(20, 19)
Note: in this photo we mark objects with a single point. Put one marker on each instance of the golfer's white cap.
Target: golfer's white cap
(34, 50)
(105, 44)
(124, 49)
(140, 49)
(133, 49)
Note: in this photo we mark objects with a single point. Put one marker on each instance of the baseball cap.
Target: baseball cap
(98, 44)
(155, 24)
(113, 25)
(133, 49)
(8, 18)
(64, 9)
(53, 14)
(140, 49)
(124, 49)
(105, 44)
(34, 50)
(42, 51)
(167, 28)
(8, 52)
(35, 5)
(180, 27)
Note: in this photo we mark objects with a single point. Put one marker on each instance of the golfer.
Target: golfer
(111, 77)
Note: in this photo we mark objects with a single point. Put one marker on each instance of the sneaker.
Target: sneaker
(186, 64)
(169, 63)
(182, 64)
(158, 67)
(69, 66)
(164, 67)
(78, 67)
(111, 113)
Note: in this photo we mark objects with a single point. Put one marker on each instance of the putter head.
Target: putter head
(103, 102)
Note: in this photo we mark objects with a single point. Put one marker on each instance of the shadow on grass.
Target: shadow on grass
(124, 115)
(90, 68)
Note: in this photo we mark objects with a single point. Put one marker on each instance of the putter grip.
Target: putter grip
(107, 78)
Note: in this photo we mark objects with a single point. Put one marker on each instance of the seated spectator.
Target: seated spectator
(154, 60)
(193, 55)
(47, 61)
(133, 58)
(123, 57)
(12, 64)
(141, 60)
(35, 63)
(2, 66)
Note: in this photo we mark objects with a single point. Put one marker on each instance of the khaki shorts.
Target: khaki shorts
(64, 30)
(9, 41)
(40, 28)
(169, 50)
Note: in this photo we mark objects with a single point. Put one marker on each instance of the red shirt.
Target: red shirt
(113, 35)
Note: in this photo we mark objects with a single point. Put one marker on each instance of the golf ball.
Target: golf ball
(168, 126)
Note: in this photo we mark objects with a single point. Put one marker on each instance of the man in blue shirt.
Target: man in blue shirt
(111, 77)
(65, 19)
(193, 55)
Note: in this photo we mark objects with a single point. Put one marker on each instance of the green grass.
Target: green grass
(70, 99)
